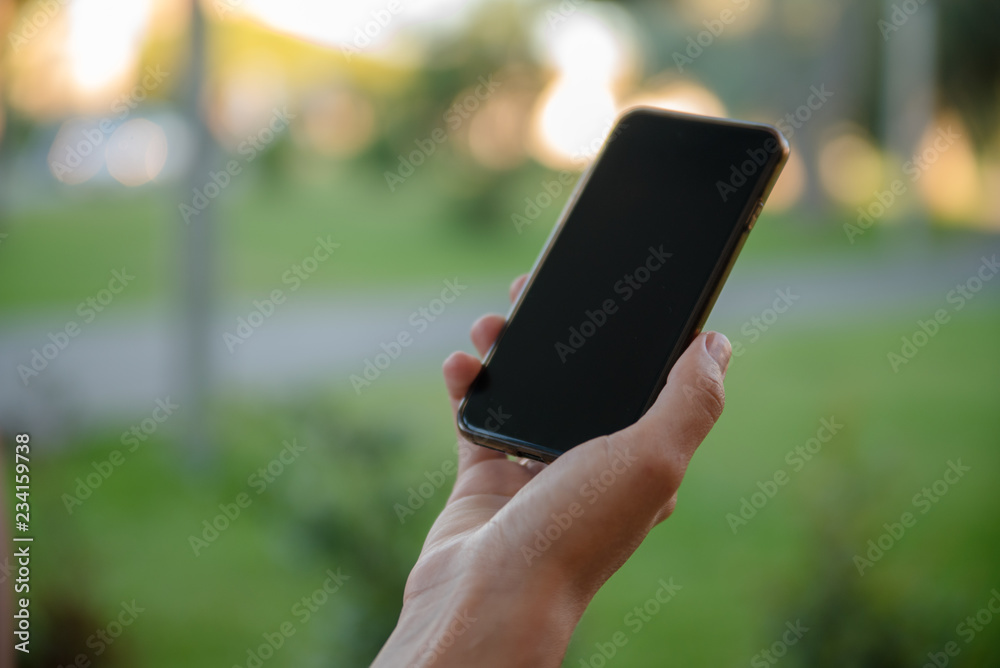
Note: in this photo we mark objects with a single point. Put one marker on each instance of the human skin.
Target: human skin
(481, 593)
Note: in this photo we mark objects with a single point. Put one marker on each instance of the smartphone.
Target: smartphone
(625, 282)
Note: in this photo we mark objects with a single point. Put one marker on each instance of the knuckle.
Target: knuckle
(667, 510)
(611, 446)
(658, 466)
(708, 395)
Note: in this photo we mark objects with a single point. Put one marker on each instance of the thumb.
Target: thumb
(689, 404)
(605, 495)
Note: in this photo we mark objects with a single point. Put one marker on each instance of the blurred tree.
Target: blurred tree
(970, 64)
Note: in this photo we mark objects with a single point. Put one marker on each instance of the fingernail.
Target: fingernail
(719, 348)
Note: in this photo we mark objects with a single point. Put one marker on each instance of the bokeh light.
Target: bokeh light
(684, 96)
(950, 180)
(572, 118)
(336, 121)
(790, 186)
(498, 131)
(991, 209)
(77, 152)
(586, 47)
(245, 99)
(850, 167)
(590, 51)
(82, 56)
(136, 152)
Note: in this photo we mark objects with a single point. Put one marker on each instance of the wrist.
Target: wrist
(485, 622)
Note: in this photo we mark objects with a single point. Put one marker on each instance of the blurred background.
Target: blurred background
(216, 217)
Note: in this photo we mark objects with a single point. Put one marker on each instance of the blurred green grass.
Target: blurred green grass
(793, 560)
(60, 254)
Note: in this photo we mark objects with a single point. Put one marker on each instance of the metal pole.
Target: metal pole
(196, 271)
(908, 86)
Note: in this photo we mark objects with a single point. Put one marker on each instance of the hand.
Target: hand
(521, 547)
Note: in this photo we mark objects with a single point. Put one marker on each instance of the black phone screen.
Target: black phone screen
(619, 293)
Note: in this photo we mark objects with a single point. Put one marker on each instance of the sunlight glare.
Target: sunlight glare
(104, 40)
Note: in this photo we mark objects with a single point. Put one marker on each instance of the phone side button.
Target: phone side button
(753, 216)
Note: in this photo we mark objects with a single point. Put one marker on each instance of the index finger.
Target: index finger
(517, 286)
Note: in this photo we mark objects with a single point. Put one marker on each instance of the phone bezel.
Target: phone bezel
(763, 186)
